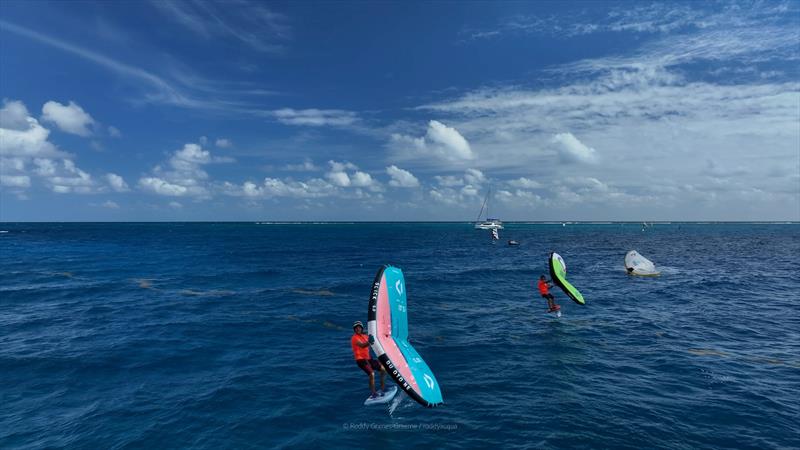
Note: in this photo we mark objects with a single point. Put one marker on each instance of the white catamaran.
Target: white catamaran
(489, 223)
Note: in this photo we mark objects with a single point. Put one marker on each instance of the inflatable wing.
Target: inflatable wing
(636, 264)
(388, 336)
(558, 273)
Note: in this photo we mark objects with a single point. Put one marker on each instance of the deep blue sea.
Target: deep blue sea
(236, 335)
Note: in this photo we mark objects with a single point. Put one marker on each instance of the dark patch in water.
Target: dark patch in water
(317, 293)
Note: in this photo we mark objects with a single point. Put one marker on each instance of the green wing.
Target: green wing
(558, 273)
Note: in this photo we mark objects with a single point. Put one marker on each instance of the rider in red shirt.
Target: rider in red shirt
(544, 290)
(360, 344)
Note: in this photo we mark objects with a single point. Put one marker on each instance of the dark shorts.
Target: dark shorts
(548, 296)
(368, 365)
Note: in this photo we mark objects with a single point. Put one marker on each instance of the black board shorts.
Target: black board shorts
(368, 365)
(548, 296)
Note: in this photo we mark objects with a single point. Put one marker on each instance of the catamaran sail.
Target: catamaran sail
(388, 336)
(636, 264)
(489, 223)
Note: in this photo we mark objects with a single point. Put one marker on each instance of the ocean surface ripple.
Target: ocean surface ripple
(236, 335)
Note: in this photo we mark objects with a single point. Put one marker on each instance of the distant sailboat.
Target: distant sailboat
(489, 223)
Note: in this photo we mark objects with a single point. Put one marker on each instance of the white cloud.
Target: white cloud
(117, 183)
(20, 181)
(110, 204)
(114, 131)
(69, 118)
(162, 187)
(175, 205)
(223, 143)
(315, 117)
(444, 195)
(362, 179)
(62, 176)
(25, 150)
(440, 142)
(401, 178)
(525, 183)
(450, 139)
(306, 166)
(474, 176)
(184, 175)
(639, 118)
(573, 150)
(469, 190)
(251, 23)
(449, 180)
(21, 135)
(644, 18)
(338, 178)
(14, 116)
(337, 166)
(274, 187)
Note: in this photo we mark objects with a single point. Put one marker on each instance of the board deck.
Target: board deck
(387, 396)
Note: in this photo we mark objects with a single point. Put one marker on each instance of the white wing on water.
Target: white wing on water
(637, 264)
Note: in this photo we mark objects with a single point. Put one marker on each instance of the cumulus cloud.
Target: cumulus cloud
(474, 176)
(63, 177)
(223, 143)
(117, 183)
(471, 177)
(467, 194)
(70, 118)
(274, 187)
(25, 150)
(362, 179)
(14, 116)
(163, 187)
(440, 142)
(23, 136)
(401, 178)
(337, 166)
(356, 178)
(570, 149)
(338, 178)
(183, 175)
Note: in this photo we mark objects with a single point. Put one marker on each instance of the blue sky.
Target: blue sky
(242, 110)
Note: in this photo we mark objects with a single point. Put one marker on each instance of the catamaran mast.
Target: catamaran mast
(484, 205)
